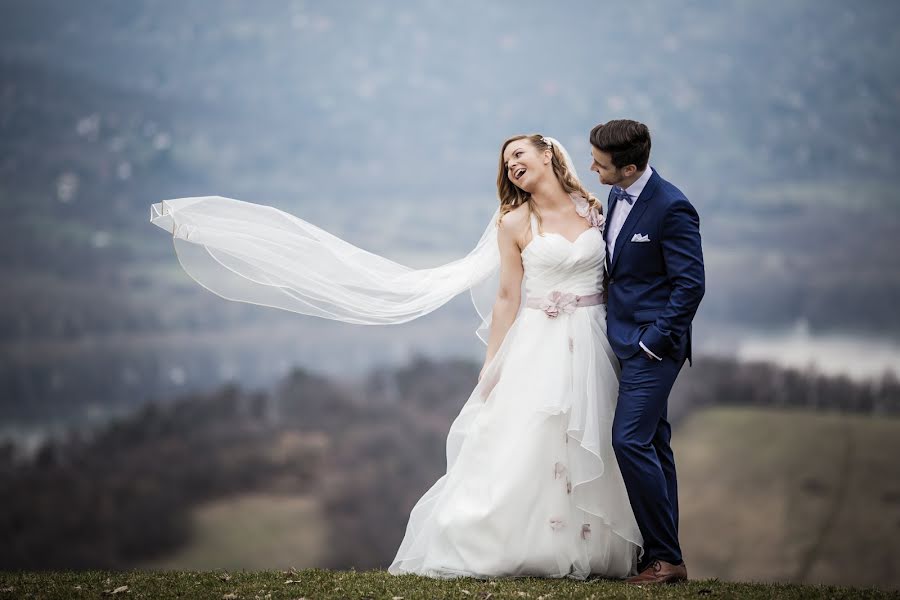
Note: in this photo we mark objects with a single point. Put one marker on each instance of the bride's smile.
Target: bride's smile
(525, 166)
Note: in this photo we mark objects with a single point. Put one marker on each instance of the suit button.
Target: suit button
(612, 281)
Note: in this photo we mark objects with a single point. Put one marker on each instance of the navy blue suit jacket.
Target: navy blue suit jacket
(654, 288)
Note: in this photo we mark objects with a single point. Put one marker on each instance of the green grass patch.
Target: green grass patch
(316, 584)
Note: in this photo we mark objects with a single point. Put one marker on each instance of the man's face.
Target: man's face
(602, 165)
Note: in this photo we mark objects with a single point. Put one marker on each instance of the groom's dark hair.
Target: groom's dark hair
(626, 141)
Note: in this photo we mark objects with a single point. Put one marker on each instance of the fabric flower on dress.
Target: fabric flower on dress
(557, 301)
(596, 218)
(559, 470)
(591, 213)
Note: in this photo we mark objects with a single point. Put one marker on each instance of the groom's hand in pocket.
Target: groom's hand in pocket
(647, 353)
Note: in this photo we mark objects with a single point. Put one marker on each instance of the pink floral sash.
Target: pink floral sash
(556, 302)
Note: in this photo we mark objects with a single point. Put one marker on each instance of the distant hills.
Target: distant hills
(382, 125)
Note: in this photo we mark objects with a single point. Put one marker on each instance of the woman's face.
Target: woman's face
(525, 166)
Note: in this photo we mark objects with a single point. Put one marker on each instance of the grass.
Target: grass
(316, 584)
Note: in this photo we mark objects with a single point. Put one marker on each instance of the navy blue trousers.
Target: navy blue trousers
(641, 439)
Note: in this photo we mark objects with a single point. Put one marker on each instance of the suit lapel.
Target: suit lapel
(610, 205)
(640, 206)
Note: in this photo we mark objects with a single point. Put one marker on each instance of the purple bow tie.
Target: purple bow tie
(620, 194)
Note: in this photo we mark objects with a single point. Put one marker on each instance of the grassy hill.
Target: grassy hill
(253, 531)
(316, 584)
(765, 495)
(322, 473)
(790, 495)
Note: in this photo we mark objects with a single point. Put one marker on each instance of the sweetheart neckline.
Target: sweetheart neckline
(561, 236)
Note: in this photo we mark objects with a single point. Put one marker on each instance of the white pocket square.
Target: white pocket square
(640, 237)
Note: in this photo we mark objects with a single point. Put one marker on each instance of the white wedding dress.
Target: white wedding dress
(532, 486)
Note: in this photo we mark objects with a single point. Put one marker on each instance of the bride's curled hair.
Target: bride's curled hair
(512, 196)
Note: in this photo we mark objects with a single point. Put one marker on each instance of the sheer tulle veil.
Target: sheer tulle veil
(261, 255)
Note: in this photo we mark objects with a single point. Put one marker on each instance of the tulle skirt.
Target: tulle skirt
(532, 486)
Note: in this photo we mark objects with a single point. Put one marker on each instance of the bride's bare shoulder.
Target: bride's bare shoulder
(516, 220)
(516, 226)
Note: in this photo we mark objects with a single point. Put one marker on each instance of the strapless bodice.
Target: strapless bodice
(553, 263)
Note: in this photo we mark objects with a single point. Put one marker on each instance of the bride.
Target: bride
(532, 486)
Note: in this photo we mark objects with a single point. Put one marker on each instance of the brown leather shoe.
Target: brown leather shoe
(659, 571)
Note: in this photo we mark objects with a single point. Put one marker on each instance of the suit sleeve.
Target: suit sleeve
(683, 257)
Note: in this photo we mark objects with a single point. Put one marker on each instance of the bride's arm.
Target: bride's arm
(506, 306)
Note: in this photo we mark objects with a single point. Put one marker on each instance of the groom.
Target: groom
(655, 283)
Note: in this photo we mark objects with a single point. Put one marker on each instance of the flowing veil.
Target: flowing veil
(261, 255)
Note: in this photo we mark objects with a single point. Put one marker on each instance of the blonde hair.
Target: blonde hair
(512, 196)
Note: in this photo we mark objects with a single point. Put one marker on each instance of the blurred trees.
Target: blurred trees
(367, 451)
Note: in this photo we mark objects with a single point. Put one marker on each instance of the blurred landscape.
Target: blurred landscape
(783, 476)
(150, 400)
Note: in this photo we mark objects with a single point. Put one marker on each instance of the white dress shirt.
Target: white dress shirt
(623, 209)
(621, 212)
